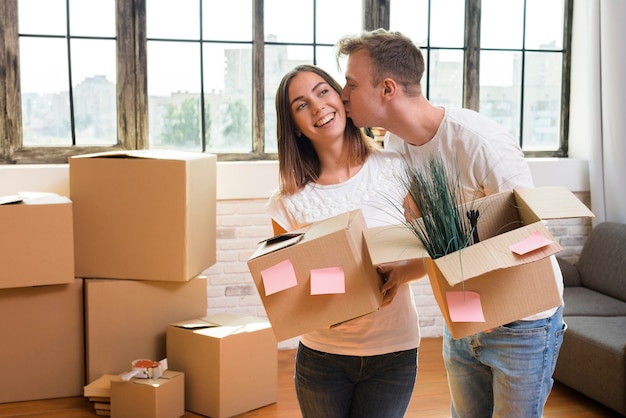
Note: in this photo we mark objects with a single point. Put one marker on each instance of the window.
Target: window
(518, 73)
(200, 75)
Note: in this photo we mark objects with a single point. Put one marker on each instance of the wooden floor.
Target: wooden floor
(430, 398)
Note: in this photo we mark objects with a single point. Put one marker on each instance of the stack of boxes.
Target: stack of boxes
(41, 303)
(144, 230)
(92, 282)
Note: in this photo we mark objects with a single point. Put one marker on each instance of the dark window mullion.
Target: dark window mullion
(70, 91)
(471, 61)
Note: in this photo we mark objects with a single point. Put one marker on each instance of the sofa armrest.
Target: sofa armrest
(571, 276)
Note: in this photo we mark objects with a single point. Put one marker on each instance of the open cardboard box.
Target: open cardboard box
(511, 286)
(333, 245)
(230, 363)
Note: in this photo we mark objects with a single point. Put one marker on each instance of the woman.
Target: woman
(365, 367)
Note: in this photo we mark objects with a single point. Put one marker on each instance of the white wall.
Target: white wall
(242, 189)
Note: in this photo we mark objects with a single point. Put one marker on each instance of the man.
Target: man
(506, 372)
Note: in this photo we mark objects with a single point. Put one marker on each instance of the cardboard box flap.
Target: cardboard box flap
(333, 224)
(314, 231)
(277, 242)
(223, 325)
(10, 199)
(34, 198)
(164, 378)
(146, 154)
(494, 254)
(391, 243)
(551, 203)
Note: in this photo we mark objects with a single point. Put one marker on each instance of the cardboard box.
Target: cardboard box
(510, 286)
(127, 319)
(37, 241)
(149, 398)
(335, 244)
(42, 351)
(230, 363)
(143, 215)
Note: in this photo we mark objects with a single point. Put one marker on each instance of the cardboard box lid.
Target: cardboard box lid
(314, 231)
(223, 325)
(397, 242)
(34, 198)
(552, 203)
(147, 154)
(164, 378)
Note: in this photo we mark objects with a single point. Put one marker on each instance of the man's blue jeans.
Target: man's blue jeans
(337, 386)
(506, 372)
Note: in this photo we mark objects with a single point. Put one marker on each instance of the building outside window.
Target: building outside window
(200, 75)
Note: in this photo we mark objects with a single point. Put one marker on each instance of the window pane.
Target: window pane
(279, 59)
(227, 20)
(45, 95)
(544, 24)
(325, 59)
(502, 24)
(447, 26)
(500, 88)
(446, 78)
(92, 18)
(281, 24)
(228, 97)
(94, 81)
(167, 19)
(411, 18)
(542, 101)
(345, 19)
(42, 17)
(174, 95)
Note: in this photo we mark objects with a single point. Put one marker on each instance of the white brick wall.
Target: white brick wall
(241, 224)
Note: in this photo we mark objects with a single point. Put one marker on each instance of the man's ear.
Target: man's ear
(389, 87)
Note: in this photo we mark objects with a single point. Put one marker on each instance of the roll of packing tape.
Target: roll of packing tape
(146, 369)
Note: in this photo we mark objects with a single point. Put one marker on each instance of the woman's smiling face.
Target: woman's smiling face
(316, 107)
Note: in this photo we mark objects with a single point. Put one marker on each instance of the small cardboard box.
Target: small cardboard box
(149, 398)
(127, 319)
(42, 349)
(143, 215)
(230, 363)
(36, 240)
(510, 286)
(334, 246)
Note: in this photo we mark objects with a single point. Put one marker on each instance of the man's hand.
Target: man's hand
(397, 274)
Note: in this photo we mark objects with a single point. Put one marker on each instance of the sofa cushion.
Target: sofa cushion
(580, 301)
(602, 262)
(592, 359)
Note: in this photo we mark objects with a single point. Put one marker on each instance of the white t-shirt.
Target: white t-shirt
(488, 158)
(378, 189)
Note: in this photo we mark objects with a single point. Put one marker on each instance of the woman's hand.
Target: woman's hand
(397, 274)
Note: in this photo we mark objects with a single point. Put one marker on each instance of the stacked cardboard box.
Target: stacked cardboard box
(37, 279)
(144, 231)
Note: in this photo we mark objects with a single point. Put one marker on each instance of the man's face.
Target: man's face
(361, 98)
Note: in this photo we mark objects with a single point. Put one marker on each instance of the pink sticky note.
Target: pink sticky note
(465, 307)
(328, 281)
(533, 242)
(279, 277)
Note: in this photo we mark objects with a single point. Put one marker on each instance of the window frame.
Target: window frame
(132, 97)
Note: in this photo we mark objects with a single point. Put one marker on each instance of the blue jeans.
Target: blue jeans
(506, 372)
(337, 386)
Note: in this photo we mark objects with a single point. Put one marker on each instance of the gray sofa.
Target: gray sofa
(593, 356)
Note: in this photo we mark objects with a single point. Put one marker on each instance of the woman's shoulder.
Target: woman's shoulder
(388, 157)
